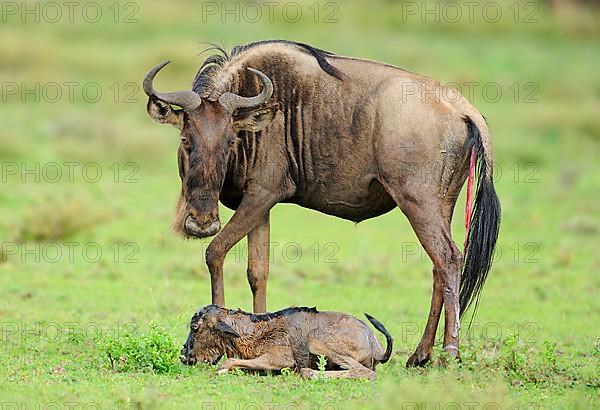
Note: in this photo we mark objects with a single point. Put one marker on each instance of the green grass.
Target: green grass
(533, 344)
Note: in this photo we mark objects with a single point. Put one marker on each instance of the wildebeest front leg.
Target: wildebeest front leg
(256, 203)
(258, 263)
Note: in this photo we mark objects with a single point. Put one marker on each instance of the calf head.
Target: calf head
(208, 336)
(208, 131)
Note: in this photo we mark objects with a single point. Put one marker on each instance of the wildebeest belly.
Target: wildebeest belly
(347, 198)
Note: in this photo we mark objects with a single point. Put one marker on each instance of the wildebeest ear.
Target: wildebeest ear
(225, 328)
(163, 113)
(254, 119)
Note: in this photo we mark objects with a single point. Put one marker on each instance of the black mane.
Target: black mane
(261, 317)
(254, 317)
(214, 63)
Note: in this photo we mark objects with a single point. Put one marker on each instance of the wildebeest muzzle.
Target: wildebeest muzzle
(202, 219)
(193, 228)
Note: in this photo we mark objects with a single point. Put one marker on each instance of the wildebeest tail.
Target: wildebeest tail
(388, 337)
(484, 223)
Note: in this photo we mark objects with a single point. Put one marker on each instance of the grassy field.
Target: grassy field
(89, 185)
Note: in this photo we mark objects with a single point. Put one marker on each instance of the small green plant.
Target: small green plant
(75, 336)
(548, 355)
(537, 365)
(322, 364)
(154, 350)
(515, 359)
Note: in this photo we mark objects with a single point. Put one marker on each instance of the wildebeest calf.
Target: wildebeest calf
(291, 338)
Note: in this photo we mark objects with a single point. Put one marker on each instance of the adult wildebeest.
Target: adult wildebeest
(347, 137)
(292, 337)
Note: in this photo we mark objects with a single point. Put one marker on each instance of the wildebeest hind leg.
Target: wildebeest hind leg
(434, 233)
(429, 219)
(423, 351)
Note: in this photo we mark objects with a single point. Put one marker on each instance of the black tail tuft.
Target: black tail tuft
(389, 339)
(484, 227)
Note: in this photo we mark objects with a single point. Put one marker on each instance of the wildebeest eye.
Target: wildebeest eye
(194, 326)
(162, 109)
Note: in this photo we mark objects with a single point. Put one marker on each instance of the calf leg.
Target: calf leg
(258, 263)
(353, 369)
(357, 373)
(256, 203)
(268, 361)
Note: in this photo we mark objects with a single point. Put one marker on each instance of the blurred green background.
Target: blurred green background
(89, 185)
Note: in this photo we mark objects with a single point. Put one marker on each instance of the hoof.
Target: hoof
(453, 353)
(222, 371)
(450, 354)
(417, 360)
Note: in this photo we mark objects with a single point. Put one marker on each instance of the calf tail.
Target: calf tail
(389, 339)
(484, 222)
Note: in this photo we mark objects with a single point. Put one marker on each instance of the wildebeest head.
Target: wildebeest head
(206, 340)
(208, 132)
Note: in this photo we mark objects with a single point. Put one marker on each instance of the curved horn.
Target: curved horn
(187, 100)
(232, 101)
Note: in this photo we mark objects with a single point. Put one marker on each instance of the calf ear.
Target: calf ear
(225, 328)
(254, 119)
(163, 113)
